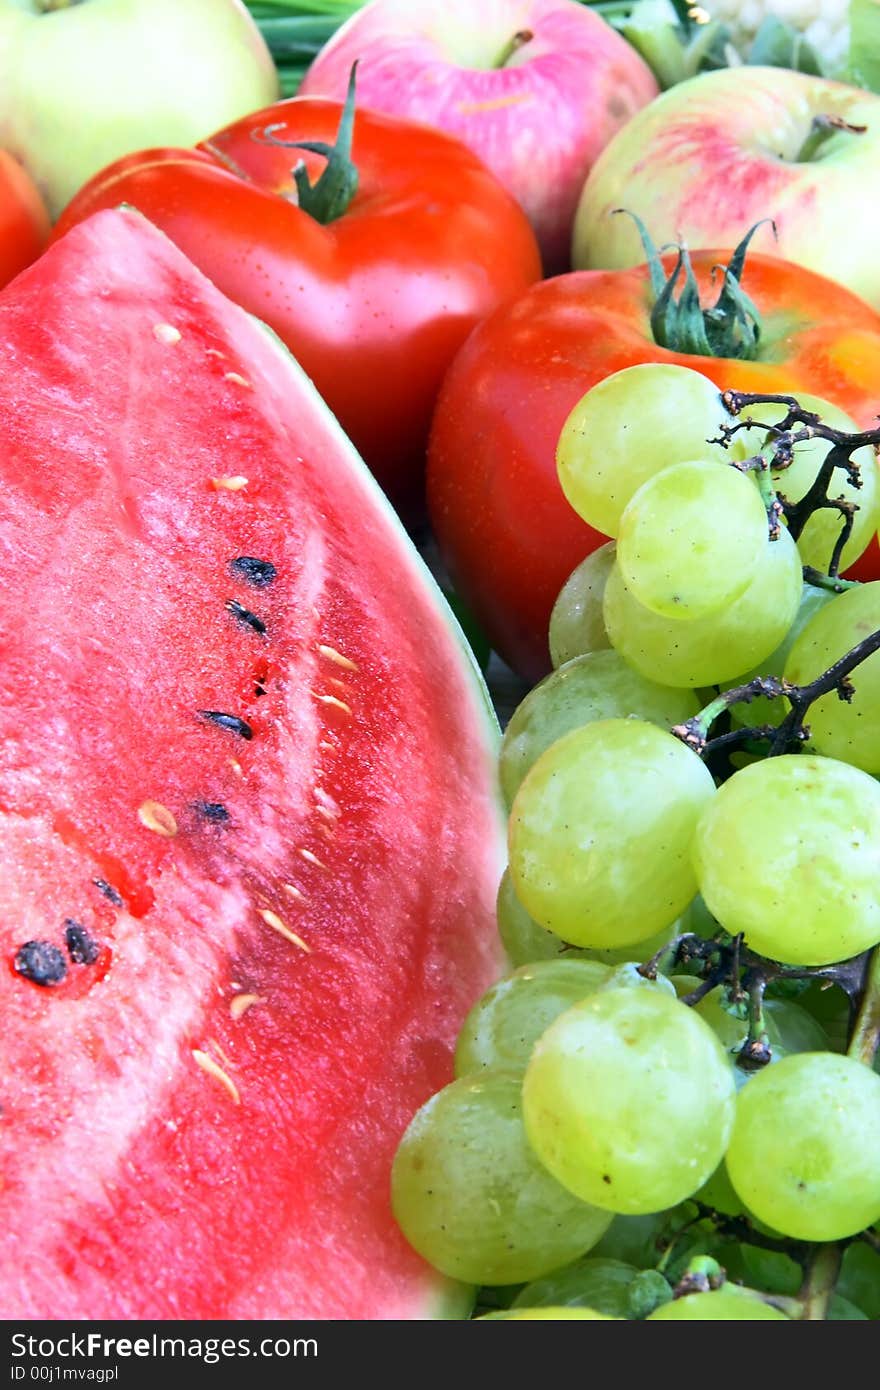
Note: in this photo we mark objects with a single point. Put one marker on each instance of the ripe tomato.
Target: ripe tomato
(504, 528)
(24, 220)
(374, 303)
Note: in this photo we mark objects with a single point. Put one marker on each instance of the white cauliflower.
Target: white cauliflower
(823, 23)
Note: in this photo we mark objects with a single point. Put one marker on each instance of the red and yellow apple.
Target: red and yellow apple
(715, 154)
(535, 87)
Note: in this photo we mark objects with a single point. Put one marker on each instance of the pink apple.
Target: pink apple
(714, 155)
(535, 87)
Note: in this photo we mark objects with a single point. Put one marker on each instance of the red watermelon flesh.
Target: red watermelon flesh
(247, 810)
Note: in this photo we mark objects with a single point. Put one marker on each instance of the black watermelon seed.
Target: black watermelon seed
(213, 811)
(246, 617)
(41, 963)
(259, 573)
(232, 722)
(109, 891)
(80, 946)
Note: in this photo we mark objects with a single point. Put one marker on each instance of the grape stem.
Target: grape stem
(700, 1283)
(695, 731)
(818, 1286)
(865, 1038)
(755, 1051)
(702, 1274)
(835, 678)
(829, 581)
(783, 439)
(740, 1229)
(720, 960)
(760, 465)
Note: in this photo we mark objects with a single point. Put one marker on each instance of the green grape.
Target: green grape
(637, 1240)
(817, 540)
(731, 1027)
(599, 685)
(502, 1027)
(588, 1283)
(727, 1304)
(640, 952)
(684, 984)
(628, 975)
(523, 939)
(786, 853)
(629, 426)
(830, 1007)
(727, 1021)
(472, 1198)
(601, 832)
(803, 1152)
(797, 1030)
(789, 1028)
(576, 622)
(698, 919)
(762, 710)
(717, 1192)
(628, 1100)
(549, 1315)
(850, 731)
(691, 539)
(707, 651)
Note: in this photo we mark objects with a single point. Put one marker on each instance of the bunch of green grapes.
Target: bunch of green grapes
(670, 1107)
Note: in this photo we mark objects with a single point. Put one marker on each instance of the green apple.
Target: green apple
(85, 81)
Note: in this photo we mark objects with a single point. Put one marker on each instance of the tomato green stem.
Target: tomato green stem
(330, 196)
(730, 328)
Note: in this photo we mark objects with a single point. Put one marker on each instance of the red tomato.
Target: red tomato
(867, 566)
(504, 527)
(24, 221)
(373, 304)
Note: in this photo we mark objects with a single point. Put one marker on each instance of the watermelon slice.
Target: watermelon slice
(249, 839)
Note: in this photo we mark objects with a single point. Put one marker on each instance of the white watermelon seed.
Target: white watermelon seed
(242, 1002)
(235, 483)
(310, 858)
(207, 1064)
(166, 333)
(278, 924)
(154, 816)
(340, 658)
